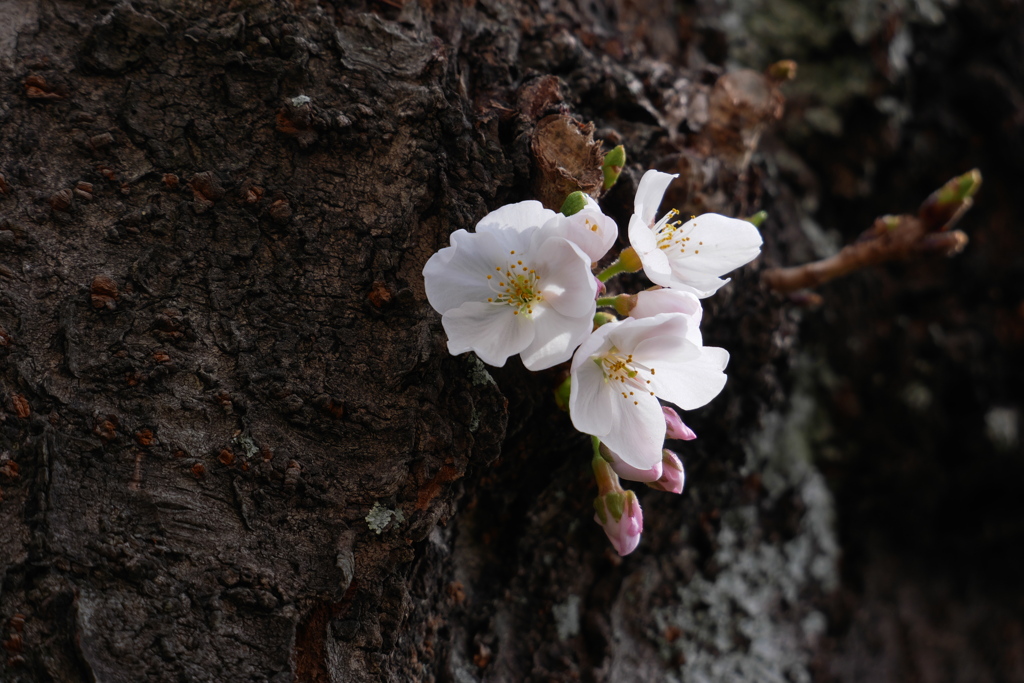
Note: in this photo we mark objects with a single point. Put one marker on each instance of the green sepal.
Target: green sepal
(573, 204)
(616, 504)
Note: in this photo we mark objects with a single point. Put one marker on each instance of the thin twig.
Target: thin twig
(892, 238)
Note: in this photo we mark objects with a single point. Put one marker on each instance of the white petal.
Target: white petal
(702, 289)
(458, 273)
(518, 217)
(631, 332)
(492, 331)
(641, 237)
(649, 195)
(556, 337)
(566, 281)
(634, 474)
(590, 230)
(692, 384)
(639, 432)
(655, 262)
(723, 243)
(592, 405)
(660, 351)
(650, 303)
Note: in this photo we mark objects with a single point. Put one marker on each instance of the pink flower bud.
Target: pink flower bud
(673, 477)
(675, 429)
(629, 472)
(623, 521)
(602, 288)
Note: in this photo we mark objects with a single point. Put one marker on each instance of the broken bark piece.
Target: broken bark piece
(566, 159)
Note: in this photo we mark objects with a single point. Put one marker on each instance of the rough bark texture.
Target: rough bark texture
(234, 447)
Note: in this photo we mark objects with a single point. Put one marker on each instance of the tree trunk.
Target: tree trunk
(234, 446)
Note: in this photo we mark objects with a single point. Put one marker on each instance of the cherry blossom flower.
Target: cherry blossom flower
(623, 368)
(589, 229)
(690, 256)
(673, 476)
(512, 287)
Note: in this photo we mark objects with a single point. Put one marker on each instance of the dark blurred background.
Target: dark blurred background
(922, 362)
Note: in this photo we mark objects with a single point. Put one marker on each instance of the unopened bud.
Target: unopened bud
(612, 167)
(673, 477)
(944, 207)
(603, 318)
(620, 515)
(758, 219)
(573, 204)
(675, 428)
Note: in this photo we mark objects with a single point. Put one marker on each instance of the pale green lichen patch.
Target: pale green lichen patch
(380, 517)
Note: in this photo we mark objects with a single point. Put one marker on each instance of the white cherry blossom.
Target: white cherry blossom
(693, 255)
(623, 368)
(512, 287)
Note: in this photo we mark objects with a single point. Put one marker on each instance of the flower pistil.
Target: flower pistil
(516, 285)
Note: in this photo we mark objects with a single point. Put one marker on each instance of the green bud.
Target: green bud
(612, 167)
(562, 394)
(758, 219)
(603, 318)
(573, 204)
(961, 187)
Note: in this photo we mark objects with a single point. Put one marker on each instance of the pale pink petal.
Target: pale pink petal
(701, 288)
(557, 336)
(633, 474)
(641, 237)
(458, 273)
(652, 302)
(720, 244)
(649, 195)
(631, 332)
(691, 383)
(592, 405)
(589, 229)
(492, 331)
(517, 217)
(639, 432)
(566, 281)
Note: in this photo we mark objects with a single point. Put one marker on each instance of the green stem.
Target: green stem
(611, 271)
(606, 301)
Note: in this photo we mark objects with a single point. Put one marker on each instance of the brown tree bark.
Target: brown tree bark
(234, 446)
